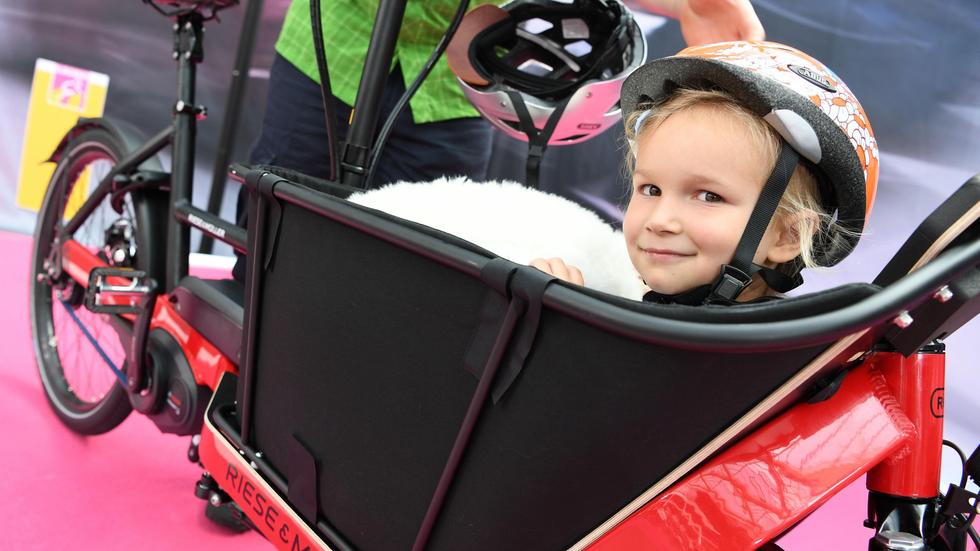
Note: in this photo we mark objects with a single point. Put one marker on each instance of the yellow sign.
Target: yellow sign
(60, 94)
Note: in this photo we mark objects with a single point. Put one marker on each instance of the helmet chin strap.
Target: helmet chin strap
(537, 140)
(737, 274)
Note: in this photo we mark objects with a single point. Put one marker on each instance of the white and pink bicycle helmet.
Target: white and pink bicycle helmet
(547, 69)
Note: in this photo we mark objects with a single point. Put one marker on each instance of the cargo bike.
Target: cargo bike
(485, 405)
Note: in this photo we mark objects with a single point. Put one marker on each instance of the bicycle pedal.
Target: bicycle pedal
(117, 290)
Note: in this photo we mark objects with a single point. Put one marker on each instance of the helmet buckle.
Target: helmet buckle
(730, 283)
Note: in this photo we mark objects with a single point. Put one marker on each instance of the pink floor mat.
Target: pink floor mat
(133, 487)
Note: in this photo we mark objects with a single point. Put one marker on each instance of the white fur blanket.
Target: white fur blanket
(517, 223)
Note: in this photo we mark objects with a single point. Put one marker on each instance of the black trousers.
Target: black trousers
(294, 136)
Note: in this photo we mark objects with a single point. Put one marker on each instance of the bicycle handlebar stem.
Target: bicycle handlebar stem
(377, 65)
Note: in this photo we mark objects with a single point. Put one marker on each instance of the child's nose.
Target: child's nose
(664, 217)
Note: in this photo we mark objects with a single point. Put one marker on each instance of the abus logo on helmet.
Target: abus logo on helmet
(813, 76)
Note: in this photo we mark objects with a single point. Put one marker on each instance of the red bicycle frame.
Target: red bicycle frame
(206, 361)
(884, 420)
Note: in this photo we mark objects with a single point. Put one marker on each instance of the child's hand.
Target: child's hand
(557, 268)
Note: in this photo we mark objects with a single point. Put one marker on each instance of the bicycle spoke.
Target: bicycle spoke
(90, 356)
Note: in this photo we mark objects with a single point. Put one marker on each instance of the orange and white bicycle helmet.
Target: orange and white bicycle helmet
(814, 112)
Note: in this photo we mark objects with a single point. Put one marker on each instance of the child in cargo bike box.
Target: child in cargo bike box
(750, 162)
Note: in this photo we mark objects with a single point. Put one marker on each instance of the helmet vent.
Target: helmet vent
(535, 67)
(579, 48)
(574, 28)
(536, 25)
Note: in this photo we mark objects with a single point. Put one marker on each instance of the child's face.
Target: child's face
(698, 176)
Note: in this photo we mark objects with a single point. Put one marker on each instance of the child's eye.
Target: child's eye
(710, 197)
(649, 190)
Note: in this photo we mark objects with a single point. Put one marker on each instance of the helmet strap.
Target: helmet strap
(537, 140)
(702, 294)
(692, 297)
(737, 274)
(779, 281)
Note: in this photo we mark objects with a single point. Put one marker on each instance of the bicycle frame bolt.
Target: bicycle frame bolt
(944, 294)
(176, 55)
(215, 499)
(900, 541)
(903, 320)
(258, 455)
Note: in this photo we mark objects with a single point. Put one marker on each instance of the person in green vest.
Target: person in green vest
(440, 133)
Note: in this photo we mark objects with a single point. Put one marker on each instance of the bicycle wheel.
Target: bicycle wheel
(80, 354)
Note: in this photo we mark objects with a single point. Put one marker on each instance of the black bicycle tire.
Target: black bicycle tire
(109, 411)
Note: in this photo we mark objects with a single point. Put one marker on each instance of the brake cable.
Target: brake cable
(404, 99)
(329, 109)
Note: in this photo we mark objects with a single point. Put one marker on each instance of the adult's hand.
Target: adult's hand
(708, 21)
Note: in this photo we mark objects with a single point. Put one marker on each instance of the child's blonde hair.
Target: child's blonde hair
(801, 201)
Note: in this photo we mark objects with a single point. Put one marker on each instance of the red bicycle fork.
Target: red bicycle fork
(917, 384)
(903, 490)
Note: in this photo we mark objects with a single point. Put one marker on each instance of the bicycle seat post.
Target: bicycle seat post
(188, 52)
